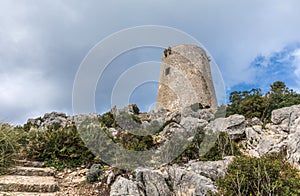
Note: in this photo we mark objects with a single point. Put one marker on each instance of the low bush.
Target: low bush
(108, 120)
(136, 142)
(269, 175)
(11, 140)
(94, 173)
(222, 146)
(59, 148)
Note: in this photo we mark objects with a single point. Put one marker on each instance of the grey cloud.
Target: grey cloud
(47, 40)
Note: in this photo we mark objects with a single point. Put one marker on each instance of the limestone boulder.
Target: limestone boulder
(210, 169)
(50, 120)
(123, 186)
(184, 182)
(271, 144)
(234, 125)
(80, 118)
(153, 182)
(293, 149)
(287, 118)
(253, 136)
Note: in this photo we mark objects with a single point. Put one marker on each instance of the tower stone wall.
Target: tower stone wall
(185, 79)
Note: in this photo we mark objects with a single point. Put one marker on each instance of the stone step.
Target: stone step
(40, 184)
(27, 163)
(31, 171)
(26, 194)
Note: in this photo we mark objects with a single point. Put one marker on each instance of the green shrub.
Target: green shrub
(269, 175)
(27, 126)
(128, 121)
(223, 146)
(54, 127)
(136, 142)
(10, 144)
(108, 120)
(60, 148)
(136, 109)
(164, 126)
(136, 118)
(94, 173)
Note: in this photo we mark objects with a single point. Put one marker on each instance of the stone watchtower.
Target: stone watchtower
(185, 79)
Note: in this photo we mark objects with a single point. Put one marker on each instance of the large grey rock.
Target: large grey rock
(234, 125)
(153, 181)
(174, 116)
(280, 135)
(158, 114)
(287, 118)
(51, 120)
(293, 149)
(171, 129)
(80, 118)
(255, 122)
(277, 128)
(210, 169)
(127, 121)
(124, 187)
(271, 144)
(189, 183)
(205, 114)
(253, 135)
(193, 124)
(129, 109)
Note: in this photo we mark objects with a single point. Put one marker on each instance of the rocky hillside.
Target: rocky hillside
(195, 171)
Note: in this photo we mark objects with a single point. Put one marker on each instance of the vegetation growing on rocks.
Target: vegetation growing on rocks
(108, 120)
(269, 175)
(223, 146)
(254, 104)
(62, 147)
(11, 140)
(59, 148)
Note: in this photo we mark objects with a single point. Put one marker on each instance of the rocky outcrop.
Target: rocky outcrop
(293, 149)
(56, 120)
(193, 178)
(153, 182)
(53, 119)
(184, 182)
(288, 120)
(210, 169)
(283, 134)
(234, 125)
(123, 186)
(172, 128)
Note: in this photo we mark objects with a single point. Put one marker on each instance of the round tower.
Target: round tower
(185, 79)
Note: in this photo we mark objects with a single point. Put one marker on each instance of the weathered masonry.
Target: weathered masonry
(185, 79)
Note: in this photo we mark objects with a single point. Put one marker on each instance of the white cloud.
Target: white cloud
(27, 92)
(50, 38)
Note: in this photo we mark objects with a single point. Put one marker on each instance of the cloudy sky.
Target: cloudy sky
(42, 44)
